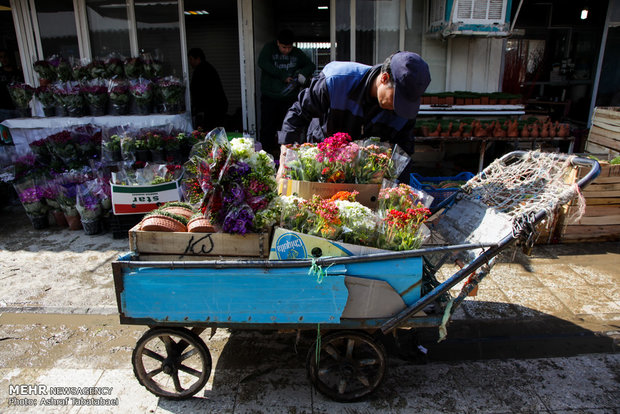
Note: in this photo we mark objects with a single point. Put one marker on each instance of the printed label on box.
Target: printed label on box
(143, 199)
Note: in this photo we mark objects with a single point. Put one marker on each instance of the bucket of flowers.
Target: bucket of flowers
(62, 146)
(155, 143)
(21, 94)
(69, 95)
(171, 93)
(41, 150)
(81, 71)
(151, 68)
(50, 193)
(45, 95)
(111, 149)
(67, 195)
(96, 95)
(33, 200)
(63, 69)
(118, 92)
(142, 92)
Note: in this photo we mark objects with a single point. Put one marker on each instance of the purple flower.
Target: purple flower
(31, 195)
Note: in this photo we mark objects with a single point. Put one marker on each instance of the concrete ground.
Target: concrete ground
(541, 336)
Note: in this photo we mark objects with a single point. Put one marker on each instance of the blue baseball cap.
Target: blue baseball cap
(411, 78)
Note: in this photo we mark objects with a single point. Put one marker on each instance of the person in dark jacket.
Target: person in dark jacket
(363, 101)
(209, 102)
(284, 69)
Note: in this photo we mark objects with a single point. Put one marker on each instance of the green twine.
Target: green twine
(317, 349)
(316, 269)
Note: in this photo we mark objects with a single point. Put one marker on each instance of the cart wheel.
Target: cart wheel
(351, 365)
(171, 362)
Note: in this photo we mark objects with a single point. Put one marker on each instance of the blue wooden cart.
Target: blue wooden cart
(351, 299)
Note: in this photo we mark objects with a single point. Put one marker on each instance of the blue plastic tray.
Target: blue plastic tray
(439, 194)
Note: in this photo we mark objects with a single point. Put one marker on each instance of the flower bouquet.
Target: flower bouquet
(359, 223)
(142, 92)
(41, 151)
(374, 162)
(171, 93)
(96, 69)
(62, 146)
(128, 148)
(45, 70)
(337, 155)
(401, 230)
(172, 146)
(67, 195)
(96, 95)
(62, 68)
(301, 163)
(114, 67)
(21, 94)
(155, 144)
(118, 92)
(87, 138)
(133, 67)
(232, 182)
(45, 95)
(32, 198)
(89, 206)
(69, 96)
(50, 193)
(81, 71)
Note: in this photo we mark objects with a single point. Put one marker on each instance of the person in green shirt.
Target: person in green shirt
(284, 70)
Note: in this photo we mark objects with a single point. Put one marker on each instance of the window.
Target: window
(158, 33)
(108, 28)
(57, 28)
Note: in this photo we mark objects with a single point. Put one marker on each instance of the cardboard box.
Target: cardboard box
(180, 246)
(130, 199)
(368, 193)
(288, 244)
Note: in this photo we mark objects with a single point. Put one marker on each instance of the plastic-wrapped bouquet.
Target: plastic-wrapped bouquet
(340, 160)
(402, 230)
(88, 206)
(114, 67)
(45, 95)
(62, 68)
(62, 146)
(359, 223)
(81, 71)
(96, 94)
(118, 92)
(171, 92)
(233, 182)
(151, 67)
(97, 69)
(41, 150)
(21, 94)
(133, 67)
(69, 96)
(142, 92)
(45, 70)
(33, 200)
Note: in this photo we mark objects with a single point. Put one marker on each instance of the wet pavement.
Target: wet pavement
(541, 336)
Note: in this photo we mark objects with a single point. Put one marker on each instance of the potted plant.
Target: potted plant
(112, 149)
(96, 95)
(114, 67)
(179, 208)
(171, 92)
(89, 208)
(32, 198)
(118, 93)
(173, 149)
(159, 220)
(46, 72)
(142, 152)
(198, 223)
(45, 95)
(21, 94)
(155, 143)
(69, 96)
(133, 67)
(62, 68)
(142, 92)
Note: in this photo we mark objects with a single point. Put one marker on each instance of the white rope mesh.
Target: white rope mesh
(537, 181)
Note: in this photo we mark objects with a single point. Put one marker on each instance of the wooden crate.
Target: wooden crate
(189, 246)
(604, 136)
(601, 221)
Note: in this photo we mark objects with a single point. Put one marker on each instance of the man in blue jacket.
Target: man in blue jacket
(363, 101)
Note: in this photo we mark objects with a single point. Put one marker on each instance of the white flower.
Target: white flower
(357, 217)
(308, 152)
(242, 147)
